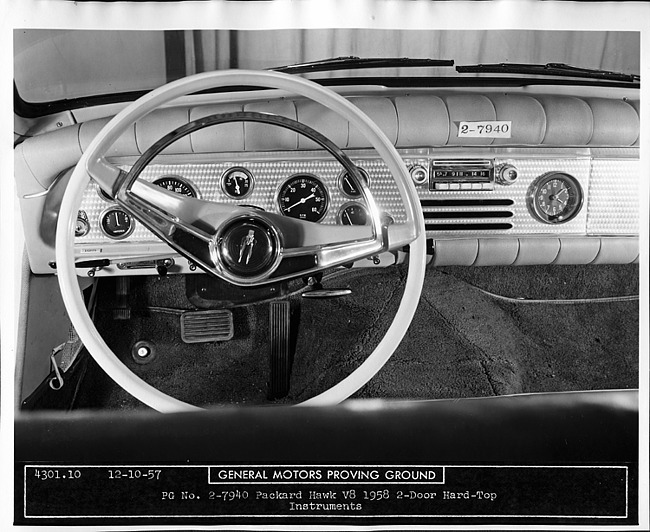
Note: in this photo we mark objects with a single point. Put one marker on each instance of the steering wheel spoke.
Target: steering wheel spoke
(165, 211)
(224, 240)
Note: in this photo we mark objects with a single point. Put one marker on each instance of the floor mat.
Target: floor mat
(470, 337)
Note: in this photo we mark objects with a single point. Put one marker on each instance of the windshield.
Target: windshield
(52, 65)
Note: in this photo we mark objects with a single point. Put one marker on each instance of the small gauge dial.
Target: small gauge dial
(353, 214)
(303, 196)
(555, 198)
(237, 182)
(116, 224)
(348, 186)
(176, 184)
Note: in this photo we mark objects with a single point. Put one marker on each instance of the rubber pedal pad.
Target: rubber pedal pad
(207, 326)
(280, 349)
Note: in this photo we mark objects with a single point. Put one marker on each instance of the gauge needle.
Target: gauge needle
(302, 200)
(348, 217)
(237, 190)
(352, 187)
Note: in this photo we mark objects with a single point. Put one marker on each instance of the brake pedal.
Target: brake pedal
(207, 326)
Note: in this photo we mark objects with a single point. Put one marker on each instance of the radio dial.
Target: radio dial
(507, 175)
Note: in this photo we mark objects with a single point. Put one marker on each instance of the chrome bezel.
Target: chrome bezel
(278, 194)
(86, 229)
(128, 233)
(364, 174)
(339, 214)
(415, 167)
(103, 195)
(539, 214)
(181, 179)
(246, 171)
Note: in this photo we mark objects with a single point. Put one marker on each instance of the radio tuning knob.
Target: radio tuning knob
(418, 174)
(507, 174)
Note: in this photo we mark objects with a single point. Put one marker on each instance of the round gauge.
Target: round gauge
(303, 196)
(176, 184)
(347, 185)
(353, 214)
(237, 182)
(555, 198)
(116, 224)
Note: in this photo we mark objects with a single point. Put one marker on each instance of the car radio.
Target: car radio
(461, 174)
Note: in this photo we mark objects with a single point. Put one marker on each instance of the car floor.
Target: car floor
(477, 332)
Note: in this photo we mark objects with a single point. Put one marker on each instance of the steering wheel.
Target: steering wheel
(209, 234)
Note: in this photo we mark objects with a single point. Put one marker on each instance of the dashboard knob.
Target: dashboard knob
(507, 174)
(418, 174)
(82, 226)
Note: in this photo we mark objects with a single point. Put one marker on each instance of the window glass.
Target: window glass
(53, 65)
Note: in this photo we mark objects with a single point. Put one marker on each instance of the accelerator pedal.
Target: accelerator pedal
(207, 326)
(280, 350)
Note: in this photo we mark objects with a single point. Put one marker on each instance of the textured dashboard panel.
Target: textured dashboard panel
(614, 197)
(268, 177)
(609, 186)
(521, 219)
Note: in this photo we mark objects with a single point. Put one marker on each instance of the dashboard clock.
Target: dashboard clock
(555, 198)
(303, 196)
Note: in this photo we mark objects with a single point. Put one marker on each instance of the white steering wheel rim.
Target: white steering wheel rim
(80, 179)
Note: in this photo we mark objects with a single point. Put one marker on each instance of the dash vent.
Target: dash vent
(462, 215)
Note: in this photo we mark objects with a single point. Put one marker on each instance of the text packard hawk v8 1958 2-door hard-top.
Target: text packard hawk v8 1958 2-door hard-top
(444, 221)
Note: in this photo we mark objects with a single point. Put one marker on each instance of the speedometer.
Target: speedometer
(303, 196)
(176, 184)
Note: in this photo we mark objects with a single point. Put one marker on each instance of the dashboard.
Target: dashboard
(502, 179)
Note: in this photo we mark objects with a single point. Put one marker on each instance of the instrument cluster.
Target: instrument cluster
(313, 193)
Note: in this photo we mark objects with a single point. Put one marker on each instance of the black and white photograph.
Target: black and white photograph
(303, 265)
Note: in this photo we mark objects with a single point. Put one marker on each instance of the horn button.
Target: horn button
(248, 247)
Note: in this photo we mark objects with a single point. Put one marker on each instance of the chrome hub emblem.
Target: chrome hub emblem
(248, 247)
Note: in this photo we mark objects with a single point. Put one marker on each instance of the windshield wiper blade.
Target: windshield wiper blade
(548, 69)
(354, 63)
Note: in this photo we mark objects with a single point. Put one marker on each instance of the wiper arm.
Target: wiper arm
(549, 69)
(354, 63)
